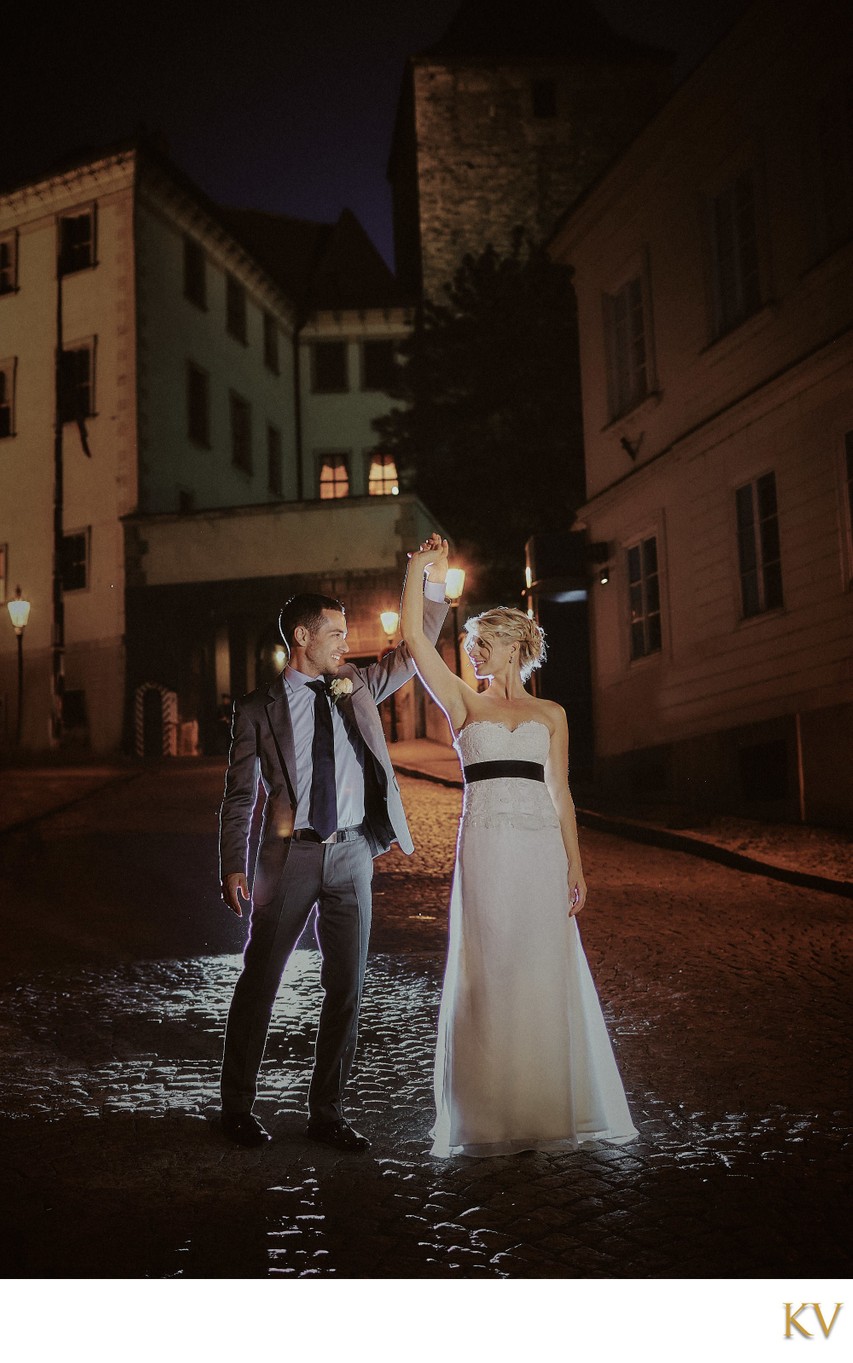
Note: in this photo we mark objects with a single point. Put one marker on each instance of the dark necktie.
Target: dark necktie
(323, 809)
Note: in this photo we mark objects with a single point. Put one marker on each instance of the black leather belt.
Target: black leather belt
(342, 835)
(488, 771)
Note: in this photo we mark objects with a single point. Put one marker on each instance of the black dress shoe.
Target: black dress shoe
(244, 1129)
(338, 1134)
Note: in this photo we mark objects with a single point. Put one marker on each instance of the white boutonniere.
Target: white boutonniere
(338, 688)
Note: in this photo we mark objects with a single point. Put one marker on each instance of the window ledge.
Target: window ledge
(645, 403)
(744, 329)
(745, 621)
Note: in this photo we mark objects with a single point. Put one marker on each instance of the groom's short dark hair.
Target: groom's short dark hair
(305, 609)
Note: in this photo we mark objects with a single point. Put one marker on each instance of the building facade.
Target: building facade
(196, 374)
(714, 275)
(503, 122)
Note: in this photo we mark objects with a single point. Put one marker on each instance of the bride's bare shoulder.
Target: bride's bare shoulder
(553, 715)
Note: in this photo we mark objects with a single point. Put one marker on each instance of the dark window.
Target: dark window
(270, 343)
(235, 308)
(7, 399)
(378, 366)
(195, 273)
(334, 476)
(848, 472)
(759, 550)
(241, 433)
(329, 367)
(737, 288)
(644, 598)
(382, 475)
(77, 241)
(274, 484)
(628, 351)
(544, 99)
(77, 383)
(9, 263)
(834, 167)
(75, 561)
(198, 405)
(74, 714)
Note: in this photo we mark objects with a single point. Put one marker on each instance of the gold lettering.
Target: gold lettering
(791, 1319)
(823, 1325)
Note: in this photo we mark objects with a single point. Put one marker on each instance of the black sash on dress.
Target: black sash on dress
(487, 771)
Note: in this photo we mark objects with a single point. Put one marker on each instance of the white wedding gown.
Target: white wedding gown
(523, 1060)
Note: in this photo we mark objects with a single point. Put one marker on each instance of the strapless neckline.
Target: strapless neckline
(500, 724)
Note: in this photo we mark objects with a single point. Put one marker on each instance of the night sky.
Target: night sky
(281, 105)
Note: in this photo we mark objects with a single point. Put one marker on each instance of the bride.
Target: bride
(523, 1060)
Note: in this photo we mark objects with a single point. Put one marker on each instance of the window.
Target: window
(734, 245)
(195, 273)
(74, 562)
(74, 714)
(198, 406)
(644, 598)
(334, 476)
(544, 99)
(270, 343)
(235, 308)
(382, 475)
(7, 398)
(834, 168)
(329, 367)
(758, 546)
(378, 365)
(274, 484)
(8, 262)
(77, 241)
(4, 571)
(77, 382)
(628, 368)
(241, 433)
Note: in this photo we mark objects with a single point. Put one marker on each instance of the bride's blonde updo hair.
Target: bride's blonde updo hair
(511, 626)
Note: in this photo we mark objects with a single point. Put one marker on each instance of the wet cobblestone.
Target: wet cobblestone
(725, 995)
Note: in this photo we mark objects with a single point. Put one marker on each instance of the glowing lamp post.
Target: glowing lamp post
(453, 588)
(390, 620)
(19, 612)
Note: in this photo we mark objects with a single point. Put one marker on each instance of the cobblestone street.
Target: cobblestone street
(726, 995)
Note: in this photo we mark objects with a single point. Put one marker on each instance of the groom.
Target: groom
(332, 805)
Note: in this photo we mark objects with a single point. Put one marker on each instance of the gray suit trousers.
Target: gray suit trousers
(337, 879)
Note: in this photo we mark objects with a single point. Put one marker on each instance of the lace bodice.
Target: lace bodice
(512, 801)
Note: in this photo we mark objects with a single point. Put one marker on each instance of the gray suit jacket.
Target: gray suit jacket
(262, 744)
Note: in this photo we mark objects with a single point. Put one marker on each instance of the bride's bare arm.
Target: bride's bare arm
(443, 685)
(557, 781)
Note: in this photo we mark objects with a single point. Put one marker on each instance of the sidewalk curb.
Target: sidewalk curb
(680, 842)
(68, 804)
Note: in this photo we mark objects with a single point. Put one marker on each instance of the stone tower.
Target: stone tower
(504, 122)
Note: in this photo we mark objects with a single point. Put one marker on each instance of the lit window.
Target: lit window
(329, 367)
(198, 405)
(627, 348)
(235, 309)
(8, 262)
(7, 398)
(334, 476)
(378, 366)
(195, 273)
(382, 476)
(644, 598)
(75, 560)
(270, 343)
(241, 433)
(734, 244)
(759, 550)
(77, 241)
(77, 374)
(274, 483)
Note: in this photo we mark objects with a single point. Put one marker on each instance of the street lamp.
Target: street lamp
(453, 589)
(19, 612)
(390, 620)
